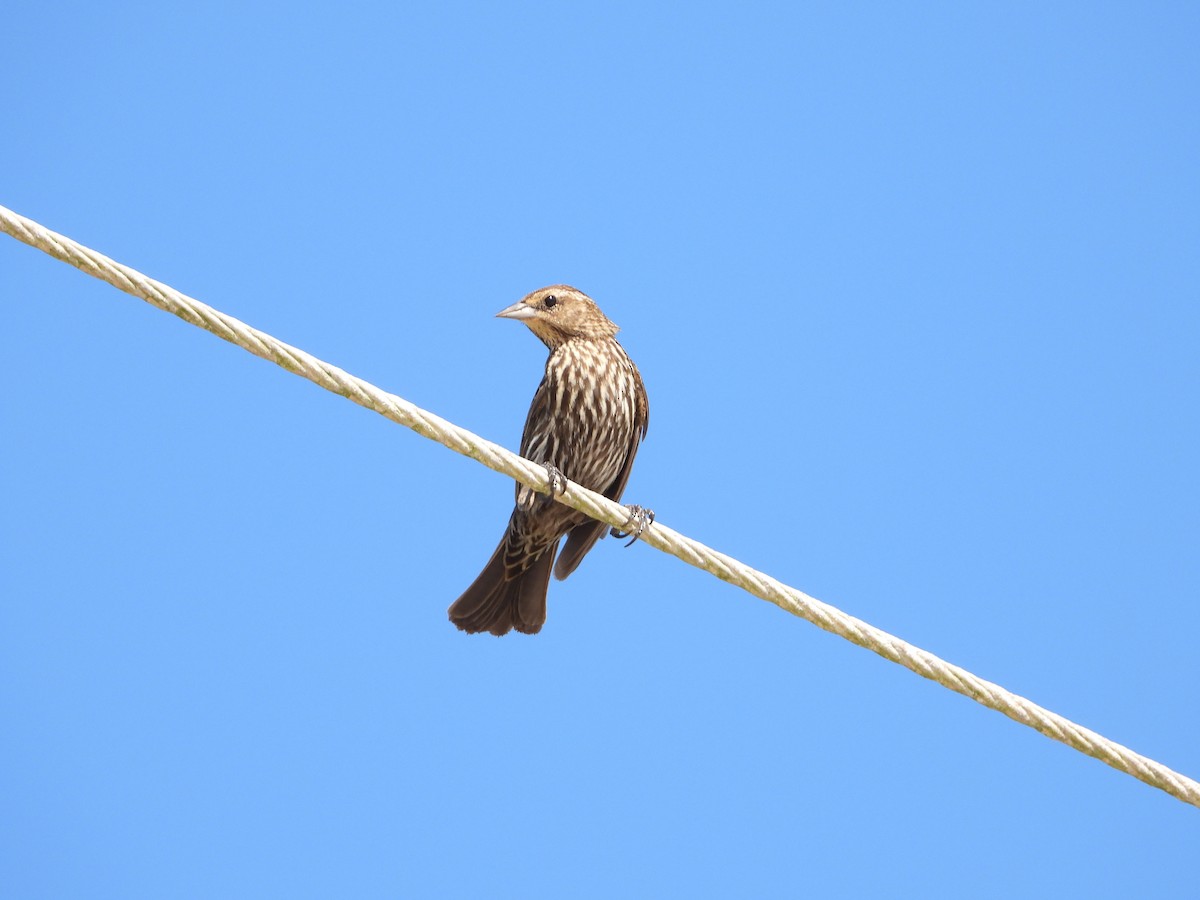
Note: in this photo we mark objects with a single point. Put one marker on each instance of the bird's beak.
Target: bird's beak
(518, 310)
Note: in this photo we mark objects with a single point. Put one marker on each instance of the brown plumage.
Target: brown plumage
(587, 418)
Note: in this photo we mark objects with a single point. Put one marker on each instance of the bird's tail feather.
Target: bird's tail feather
(495, 604)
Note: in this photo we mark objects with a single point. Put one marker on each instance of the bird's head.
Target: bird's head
(559, 313)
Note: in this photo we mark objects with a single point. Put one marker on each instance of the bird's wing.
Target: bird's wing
(538, 413)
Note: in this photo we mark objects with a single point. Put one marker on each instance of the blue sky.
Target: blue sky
(914, 290)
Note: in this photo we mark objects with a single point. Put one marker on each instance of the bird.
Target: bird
(587, 419)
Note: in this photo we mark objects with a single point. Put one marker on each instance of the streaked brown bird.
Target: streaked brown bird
(587, 418)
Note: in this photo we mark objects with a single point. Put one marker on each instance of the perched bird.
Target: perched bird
(587, 418)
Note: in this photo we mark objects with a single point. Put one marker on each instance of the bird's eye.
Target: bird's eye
(550, 301)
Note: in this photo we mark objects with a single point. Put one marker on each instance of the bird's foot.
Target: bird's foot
(558, 484)
(639, 519)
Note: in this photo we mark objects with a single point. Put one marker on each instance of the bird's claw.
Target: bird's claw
(639, 519)
(558, 483)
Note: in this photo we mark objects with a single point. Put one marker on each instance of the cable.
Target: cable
(598, 507)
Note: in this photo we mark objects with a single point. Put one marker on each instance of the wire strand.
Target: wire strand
(598, 507)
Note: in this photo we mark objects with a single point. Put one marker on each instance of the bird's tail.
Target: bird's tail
(496, 604)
